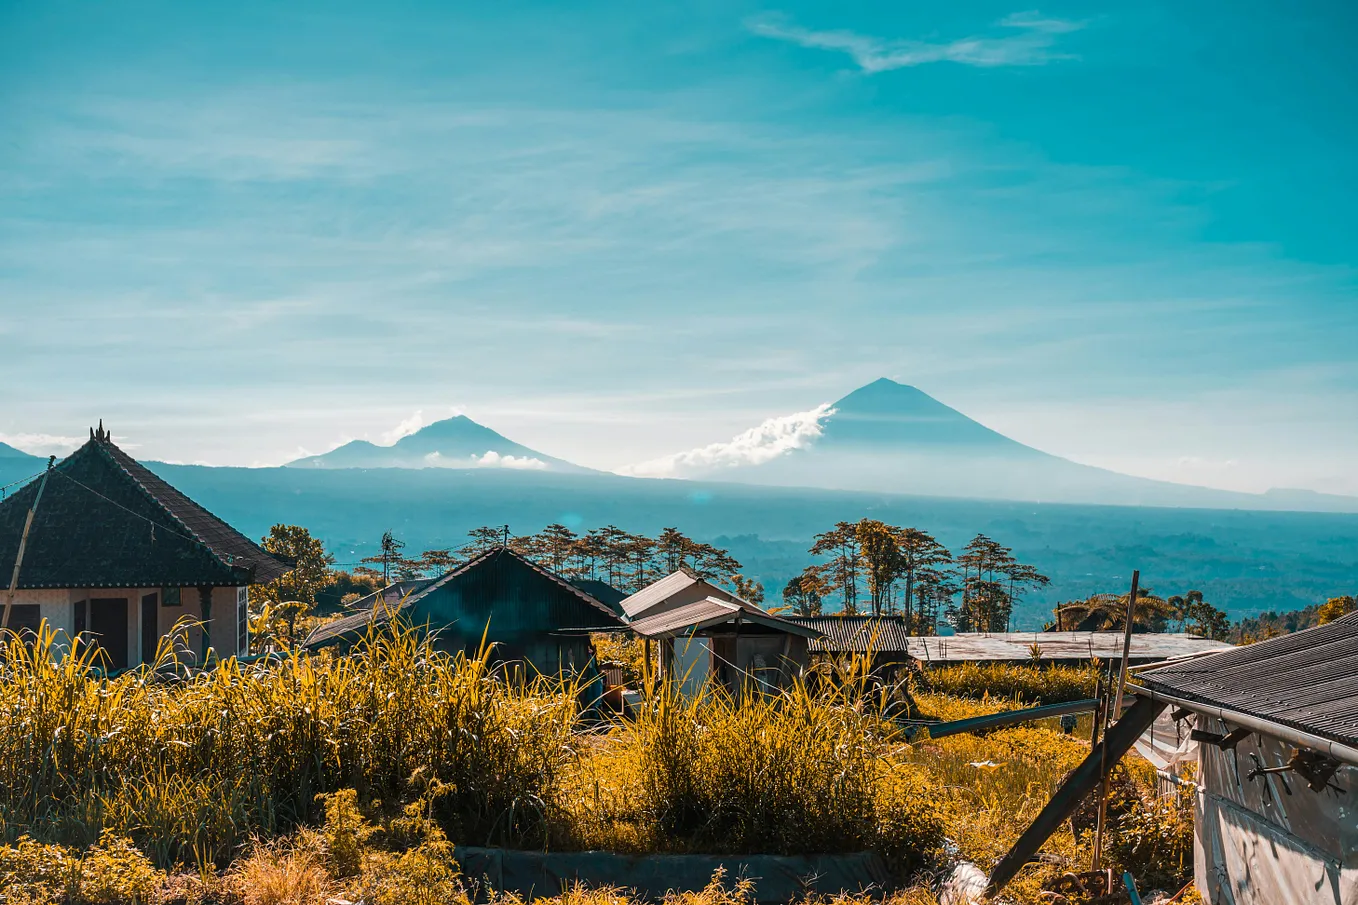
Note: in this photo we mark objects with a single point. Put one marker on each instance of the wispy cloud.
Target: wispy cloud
(771, 439)
(41, 444)
(1019, 39)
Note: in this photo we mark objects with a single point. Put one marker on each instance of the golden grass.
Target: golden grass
(353, 777)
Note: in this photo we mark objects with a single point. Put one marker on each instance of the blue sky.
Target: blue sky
(1124, 233)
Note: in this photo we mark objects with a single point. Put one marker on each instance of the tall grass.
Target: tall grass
(192, 767)
(1028, 682)
(787, 773)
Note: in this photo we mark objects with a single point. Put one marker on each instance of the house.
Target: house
(706, 633)
(118, 556)
(890, 642)
(1277, 729)
(528, 614)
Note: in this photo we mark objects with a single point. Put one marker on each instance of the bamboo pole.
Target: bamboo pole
(23, 543)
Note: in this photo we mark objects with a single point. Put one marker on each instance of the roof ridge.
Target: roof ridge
(189, 533)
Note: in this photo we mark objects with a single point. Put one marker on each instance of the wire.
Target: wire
(152, 522)
(5, 487)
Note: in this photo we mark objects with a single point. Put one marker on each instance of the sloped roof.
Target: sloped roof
(1307, 680)
(689, 616)
(105, 520)
(603, 592)
(976, 646)
(856, 634)
(384, 607)
(710, 612)
(658, 592)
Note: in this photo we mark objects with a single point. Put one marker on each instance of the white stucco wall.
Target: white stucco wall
(57, 607)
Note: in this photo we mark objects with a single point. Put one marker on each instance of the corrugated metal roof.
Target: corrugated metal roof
(657, 591)
(1307, 680)
(889, 635)
(382, 611)
(856, 634)
(660, 591)
(690, 615)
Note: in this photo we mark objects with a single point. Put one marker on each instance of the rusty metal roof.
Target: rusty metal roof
(1307, 680)
(857, 634)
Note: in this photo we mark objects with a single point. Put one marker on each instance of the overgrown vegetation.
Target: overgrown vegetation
(315, 777)
(1031, 684)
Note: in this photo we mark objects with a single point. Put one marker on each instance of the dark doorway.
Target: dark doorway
(150, 628)
(108, 629)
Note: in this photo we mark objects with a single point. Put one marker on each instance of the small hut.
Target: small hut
(707, 634)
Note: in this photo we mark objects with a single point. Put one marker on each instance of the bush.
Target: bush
(110, 872)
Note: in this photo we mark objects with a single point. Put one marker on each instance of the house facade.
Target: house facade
(118, 557)
(528, 614)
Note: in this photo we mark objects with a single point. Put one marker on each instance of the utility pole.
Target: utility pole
(23, 542)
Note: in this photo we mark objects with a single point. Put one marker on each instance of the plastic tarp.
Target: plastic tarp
(534, 875)
(1271, 840)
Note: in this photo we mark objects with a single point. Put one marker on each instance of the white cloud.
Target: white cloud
(489, 459)
(404, 429)
(771, 439)
(1028, 41)
(42, 444)
(492, 459)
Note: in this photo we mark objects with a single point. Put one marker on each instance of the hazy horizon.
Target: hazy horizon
(1121, 234)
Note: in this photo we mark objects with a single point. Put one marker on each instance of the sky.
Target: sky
(1119, 232)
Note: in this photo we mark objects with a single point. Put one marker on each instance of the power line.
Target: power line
(5, 487)
(152, 522)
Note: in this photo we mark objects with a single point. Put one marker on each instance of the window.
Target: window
(243, 621)
(170, 597)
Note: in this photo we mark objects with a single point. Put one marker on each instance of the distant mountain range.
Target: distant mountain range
(9, 453)
(883, 438)
(457, 442)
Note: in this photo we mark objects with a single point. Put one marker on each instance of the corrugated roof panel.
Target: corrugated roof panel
(1307, 680)
(685, 617)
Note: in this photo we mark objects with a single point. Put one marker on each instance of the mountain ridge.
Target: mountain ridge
(456, 442)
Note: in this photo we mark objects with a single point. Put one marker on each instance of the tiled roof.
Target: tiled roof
(1307, 680)
(106, 521)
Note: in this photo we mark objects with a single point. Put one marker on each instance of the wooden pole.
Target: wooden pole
(23, 543)
(1116, 743)
(1116, 714)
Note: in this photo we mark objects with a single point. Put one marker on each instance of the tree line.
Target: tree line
(627, 561)
(872, 568)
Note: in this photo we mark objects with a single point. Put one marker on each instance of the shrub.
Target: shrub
(110, 872)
